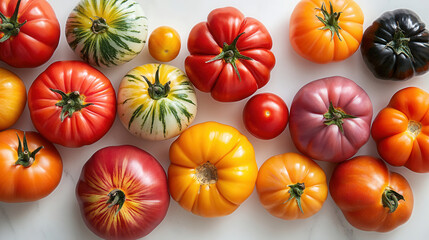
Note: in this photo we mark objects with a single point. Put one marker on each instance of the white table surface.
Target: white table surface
(58, 217)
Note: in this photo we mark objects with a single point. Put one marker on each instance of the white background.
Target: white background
(57, 216)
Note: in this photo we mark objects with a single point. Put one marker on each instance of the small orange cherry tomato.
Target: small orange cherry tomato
(323, 31)
(164, 44)
(291, 186)
(13, 98)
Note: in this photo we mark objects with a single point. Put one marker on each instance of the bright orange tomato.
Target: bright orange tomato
(323, 31)
(13, 98)
(291, 186)
(213, 169)
(30, 167)
(164, 44)
(401, 130)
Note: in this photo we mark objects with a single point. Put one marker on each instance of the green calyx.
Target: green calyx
(157, 90)
(70, 103)
(295, 192)
(335, 116)
(99, 25)
(399, 43)
(330, 20)
(25, 156)
(10, 26)
(116, 197)
(230, 54)
(390, 199)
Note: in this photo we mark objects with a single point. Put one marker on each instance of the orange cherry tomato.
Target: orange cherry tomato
(291, 186)
(401, 130)
(30, 166)
(323, 31)
(213, 169)
(13, 98)
(164, 44)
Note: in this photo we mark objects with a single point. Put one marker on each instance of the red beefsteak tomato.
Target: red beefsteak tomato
(230, 55)
(370, 197)
(72, 103)
(122, 193)
(330, 119)
(29, 32)
(30, 166)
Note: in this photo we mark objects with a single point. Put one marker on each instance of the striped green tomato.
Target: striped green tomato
(107, 32)
(156, 101)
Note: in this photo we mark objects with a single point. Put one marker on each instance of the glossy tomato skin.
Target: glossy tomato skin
(139, 176)
(83, 127)
(164, 44)
(307, 122)
(265, 115)
(38, 37)
(25, 184)
(206, 41)
(400, 130)
(13, 97)
(275, 181)
(357, 187)
(213, 169)
(311, 41)
(382, 56)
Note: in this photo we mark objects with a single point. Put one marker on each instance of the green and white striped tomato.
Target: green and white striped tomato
(156, 101)
(105, 33)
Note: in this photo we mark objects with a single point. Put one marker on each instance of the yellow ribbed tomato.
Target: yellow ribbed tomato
(213, 169)
(13, 97)
(291, 186)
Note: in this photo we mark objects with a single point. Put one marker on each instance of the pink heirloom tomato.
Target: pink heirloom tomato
(122, 193)
(330, 119)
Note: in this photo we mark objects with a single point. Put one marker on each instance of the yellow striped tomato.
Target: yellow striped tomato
(13, 97)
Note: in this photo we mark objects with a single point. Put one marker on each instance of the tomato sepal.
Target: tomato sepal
(26, 157)
(10, 27)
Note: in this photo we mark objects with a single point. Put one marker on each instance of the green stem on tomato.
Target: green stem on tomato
(335, 116)
(70, 103)
(295, 191)
(116, 197)
(157, 90)
(390, 199)
(10, 26)
(330, 20)
(25, 156)
(230, 54)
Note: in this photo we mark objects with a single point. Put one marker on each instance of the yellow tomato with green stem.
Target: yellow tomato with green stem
(291, 186)
(164, 44)
(13, 98)
(213, 169)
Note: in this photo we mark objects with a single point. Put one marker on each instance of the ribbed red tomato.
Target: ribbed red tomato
(72, 103)
(122, 193)
(29, 32)
(230, 55)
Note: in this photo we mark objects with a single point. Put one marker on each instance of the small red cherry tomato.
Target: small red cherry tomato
(265, 115)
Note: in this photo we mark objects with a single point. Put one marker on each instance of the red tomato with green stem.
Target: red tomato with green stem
(122, 193)
(29, 32)
(72, 103)
(265, 115)
(230, 55)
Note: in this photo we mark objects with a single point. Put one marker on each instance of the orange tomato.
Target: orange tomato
(401, 130)
(13, 98)
(213, 169)
(164, 44)
(30, 167)
(291, 186)
(323, 31)
(370, 196)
